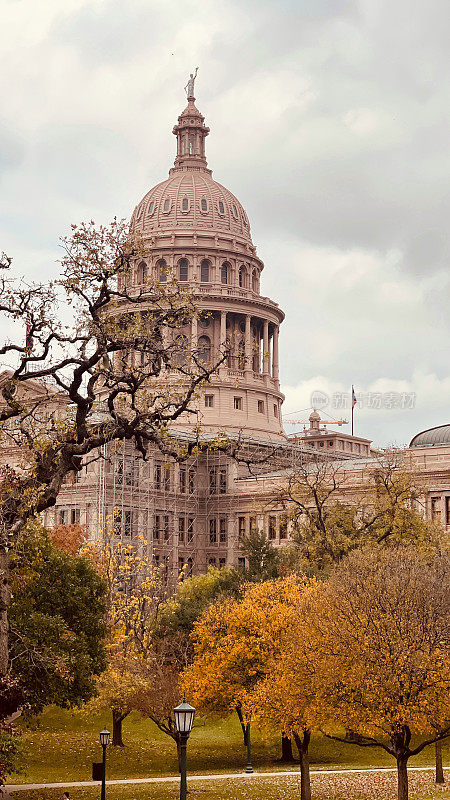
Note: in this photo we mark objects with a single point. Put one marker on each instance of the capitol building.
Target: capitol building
(194, 514)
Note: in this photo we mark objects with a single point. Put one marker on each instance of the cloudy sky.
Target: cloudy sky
(329, 121)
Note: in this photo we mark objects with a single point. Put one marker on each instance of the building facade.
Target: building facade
(194, 514)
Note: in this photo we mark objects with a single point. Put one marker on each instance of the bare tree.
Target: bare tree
(101, 362)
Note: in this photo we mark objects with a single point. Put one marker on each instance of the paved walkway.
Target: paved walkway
(216, 776)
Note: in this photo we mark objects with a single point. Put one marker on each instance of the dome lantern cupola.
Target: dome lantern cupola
(191, 132)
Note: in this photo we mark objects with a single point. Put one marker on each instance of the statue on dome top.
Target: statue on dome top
(189, 88)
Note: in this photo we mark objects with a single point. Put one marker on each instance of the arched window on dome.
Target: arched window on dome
(167, 204)
(139, 213)
(204, 271)
(255, 280)
(151, 208)
(161, 271)
(221, 207)
(235, 211)
(183, 268)
(204, 204)
(204, 349)
(225, 272)
(185, 204)
(242, 277)
(142, 272)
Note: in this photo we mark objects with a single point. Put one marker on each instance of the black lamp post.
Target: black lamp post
(184, 718)
(104, 741)
(249, 767)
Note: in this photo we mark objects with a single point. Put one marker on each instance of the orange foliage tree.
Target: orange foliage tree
(379, 632)
(235, 643)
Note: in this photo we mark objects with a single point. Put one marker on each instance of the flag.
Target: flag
(28, 337)
(354, 401)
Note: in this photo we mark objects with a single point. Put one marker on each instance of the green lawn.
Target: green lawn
(62, 745)
(379, 787)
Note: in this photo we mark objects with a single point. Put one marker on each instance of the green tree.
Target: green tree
(263, 560)
(57, 622)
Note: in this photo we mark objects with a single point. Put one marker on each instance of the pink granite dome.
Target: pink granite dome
(190, 198)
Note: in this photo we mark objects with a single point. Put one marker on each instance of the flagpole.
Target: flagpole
(353, 406)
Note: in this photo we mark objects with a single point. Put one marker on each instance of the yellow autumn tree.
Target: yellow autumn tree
(235, 642)
(287, 698)
(379, 631)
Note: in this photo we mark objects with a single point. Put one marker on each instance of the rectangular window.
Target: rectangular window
(272, 527)
(128, 523)
(158, 477)
(63, 516)
(222, 530)
(190, 567)
(119, 473)
(182, 480)
(275, 410)
(209, 400)
(222, 562)
(212, 561)
(117, 522)
(191, 476)
(435, 509)
(241, 562)
(166, 478)
(237, 403)
(241, 526)
(261, 406)
(222, 481)
(75, 516)
(212, 480)
(166, 528)
(156, 560)
(252, 523)
(190, 530)
(283, 527)
(156, 528)
(213, 531)
(181, 528)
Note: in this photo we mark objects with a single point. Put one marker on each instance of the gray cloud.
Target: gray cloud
(329, 120)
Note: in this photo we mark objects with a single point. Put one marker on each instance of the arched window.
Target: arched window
(142, 272)
(183, 269)
(191, 145)
(139, 213)
(255, 280)
(204, 204)
(235, 211)
(204, 349)
(167, 204)
(151, 208)
(185, 204)
(183, 145)
(242, 277)
(161, 271)
(204, 271)
(181, 350)
(221, 207)
(225, 272)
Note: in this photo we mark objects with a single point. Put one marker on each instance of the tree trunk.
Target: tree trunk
(4, 608)
(243, 724)
(118, 718)
(305, 780)
(287, 756)
(439, 768)
(402, 777)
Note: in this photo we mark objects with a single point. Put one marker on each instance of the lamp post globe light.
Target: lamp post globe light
(184, 718)
(104, 741)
